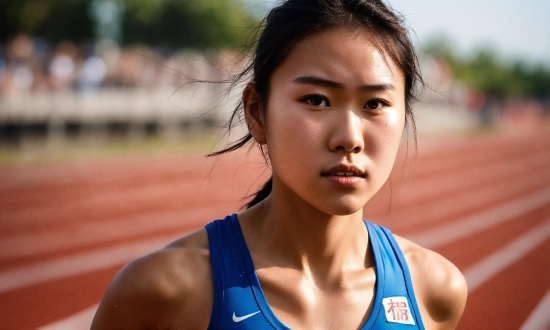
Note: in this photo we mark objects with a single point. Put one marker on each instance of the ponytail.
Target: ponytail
(261, 194)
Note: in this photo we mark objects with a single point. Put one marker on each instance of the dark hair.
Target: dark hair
(293, 20)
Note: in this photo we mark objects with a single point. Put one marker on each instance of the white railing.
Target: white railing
(134, 105)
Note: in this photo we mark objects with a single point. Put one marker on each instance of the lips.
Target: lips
(344, 176)
(344, 170)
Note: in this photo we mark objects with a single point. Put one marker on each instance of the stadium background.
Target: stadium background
(103, 128)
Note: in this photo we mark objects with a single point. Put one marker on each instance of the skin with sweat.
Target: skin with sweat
(332, 127)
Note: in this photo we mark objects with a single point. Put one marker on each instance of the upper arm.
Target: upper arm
(444, 290)
(168, 289)
(132, 300)
(440, 288)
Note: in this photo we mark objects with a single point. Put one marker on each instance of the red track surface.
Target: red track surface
(66, 229)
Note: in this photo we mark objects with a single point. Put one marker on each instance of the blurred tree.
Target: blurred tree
(485, 72)
(54, 20)
(172, 23)
(537, 81)
(187, 23)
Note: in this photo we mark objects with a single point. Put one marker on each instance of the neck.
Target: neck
(294, 234)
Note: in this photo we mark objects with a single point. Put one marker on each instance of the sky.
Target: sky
(516, 29)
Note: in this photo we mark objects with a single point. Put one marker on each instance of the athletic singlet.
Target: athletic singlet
(239, 302)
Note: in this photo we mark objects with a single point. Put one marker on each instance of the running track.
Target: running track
(484, 203)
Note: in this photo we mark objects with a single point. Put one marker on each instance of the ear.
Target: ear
(253, 114)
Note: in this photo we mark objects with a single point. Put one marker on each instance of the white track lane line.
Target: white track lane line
(94, 232)
(446, 205)
(16, 278)
(488, 267)
(420, 188)
(477, 222)
(23, 276)
(25, 245)
(539, 319)
(81, 320)
(476, 276)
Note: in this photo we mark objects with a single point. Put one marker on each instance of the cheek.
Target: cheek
(384, 139)
(394, 128)
(290, 134)
(293, 138)
(396, 119)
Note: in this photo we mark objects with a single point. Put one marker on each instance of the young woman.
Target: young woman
(331, 88)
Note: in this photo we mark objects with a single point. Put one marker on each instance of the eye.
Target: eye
(317, 101)
(375, 104)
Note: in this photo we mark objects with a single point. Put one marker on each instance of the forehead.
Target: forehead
(348, 56)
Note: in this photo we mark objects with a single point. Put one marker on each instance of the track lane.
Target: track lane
(47, 302)
(490, 239)
(95, 233)
(123, 180)
(458, 245)
(539, 317)
(19, 246)
(507, 300)
(157, 197)
(75, 321)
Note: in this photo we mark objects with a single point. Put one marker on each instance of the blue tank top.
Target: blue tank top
(239, 302)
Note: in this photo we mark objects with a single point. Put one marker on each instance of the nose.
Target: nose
(347, 133)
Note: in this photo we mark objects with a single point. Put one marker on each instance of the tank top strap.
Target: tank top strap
(394, 305)
(239, 302)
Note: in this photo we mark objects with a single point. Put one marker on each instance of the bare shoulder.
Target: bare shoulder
(440, 288)
(168, 289)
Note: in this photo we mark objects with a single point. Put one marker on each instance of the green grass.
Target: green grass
(40, 151)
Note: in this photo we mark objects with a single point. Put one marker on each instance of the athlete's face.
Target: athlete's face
(334, 120)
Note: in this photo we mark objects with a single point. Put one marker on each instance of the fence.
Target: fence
(150, 109)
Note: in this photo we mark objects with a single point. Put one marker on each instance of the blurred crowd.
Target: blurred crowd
(33, 65)
(30, 67)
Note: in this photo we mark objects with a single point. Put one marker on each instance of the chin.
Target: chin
(342, 207)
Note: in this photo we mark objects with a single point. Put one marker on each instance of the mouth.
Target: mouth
(343, 174)
(344, 170)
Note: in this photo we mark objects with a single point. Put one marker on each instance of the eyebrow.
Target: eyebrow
(312, 80)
